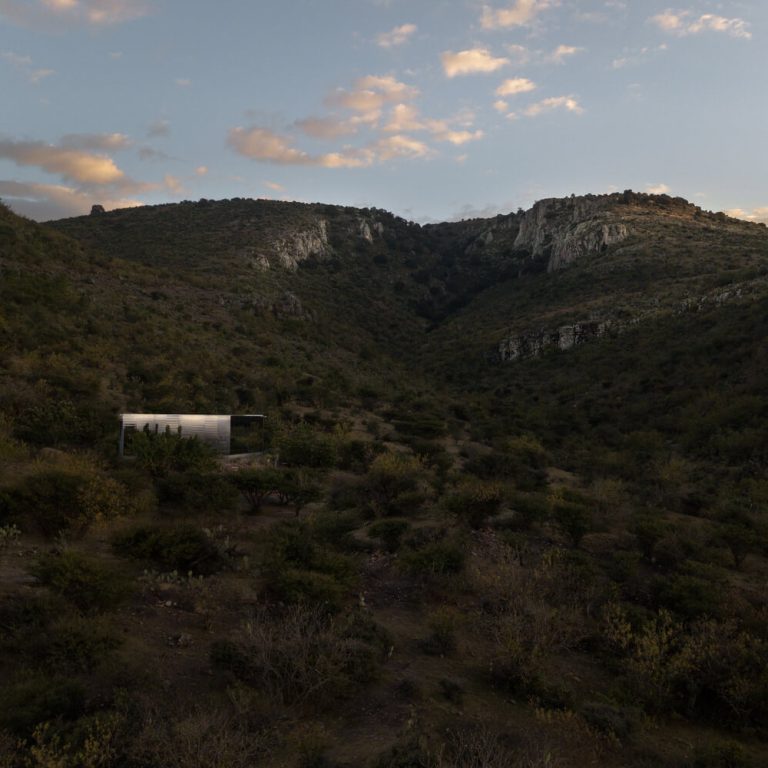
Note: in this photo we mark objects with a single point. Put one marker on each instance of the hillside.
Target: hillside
(512, 509)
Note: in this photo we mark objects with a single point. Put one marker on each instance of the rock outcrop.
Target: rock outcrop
(299, 246)
(534, 343)
(562, 230)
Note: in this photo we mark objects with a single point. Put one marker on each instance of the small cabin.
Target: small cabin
(226, 434)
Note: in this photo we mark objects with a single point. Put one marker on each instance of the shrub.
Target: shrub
(162, 452)
(573, 519)
(50, 501)
(303, 446)
(441, 641)
(395, 484)
(438, 558)
(255, 484)
(530, 508)
(37, 700)
(474, 501)
(86, 582)
(75, 645)
(299, 656)
(182, 548)
(389, 531)
(297, 569)
(195, 492)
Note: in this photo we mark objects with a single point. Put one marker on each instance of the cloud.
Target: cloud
(501, 106)
(519, 14)
(404, 117)
(370, 95)
(657, 189)
(683, 23)
(23, 64)
(519, 53)
(150, 153)
(396, 36)
(159, 128)
(267, 146)
(183, 82)
(470, 62)
(201, 170)
(263, 144)
(327, 128)
(273, 185)
(96, 141)
(55, 201)
(563, 52)
(173, 184)
(455, 130)
(399, 146)
(72, 164)
(514, 86)
(459, 137)
(51, 14)
(756, 214)
(567, 103)
(637, 56)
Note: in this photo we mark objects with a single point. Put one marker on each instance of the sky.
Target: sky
(432, 109)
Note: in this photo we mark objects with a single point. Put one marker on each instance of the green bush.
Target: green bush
(723, 755)
(303, 446)
(396, 484)
(36, 700)
(196, 492)
(529, 508)
(298, 569)
(474, 501)
(438, 558)
(390, 531)
(255, 484)
(49, 501)
(75, 645)
(87, 583)
(162, 452)
(183, 548)
(573, 519)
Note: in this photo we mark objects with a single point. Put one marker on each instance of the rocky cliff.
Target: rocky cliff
(562, 230)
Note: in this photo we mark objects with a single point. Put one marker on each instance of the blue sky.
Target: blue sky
(434, 109)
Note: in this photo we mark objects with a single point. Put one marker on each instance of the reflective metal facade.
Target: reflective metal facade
(211, 429)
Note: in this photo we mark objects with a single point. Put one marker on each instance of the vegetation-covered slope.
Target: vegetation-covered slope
(511, 510)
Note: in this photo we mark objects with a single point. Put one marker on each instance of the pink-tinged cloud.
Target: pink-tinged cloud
(519, 14)
(53, 13)
(267, 146)
(683, 23)
(96, 141)
(75, 165)
(369, 96)
(397, 36)
(567, 103)
(264, 145)
(55, 201)
(25, 66)
(471, 62)
(326, 128)
(514, 86)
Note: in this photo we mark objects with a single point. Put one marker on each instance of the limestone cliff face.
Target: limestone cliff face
(565, 337)
(367, 229)
(562, 230)
(533, 343)
(301, 245)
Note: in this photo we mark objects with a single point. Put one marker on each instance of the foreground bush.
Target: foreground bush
(182, 548)
(85, 582)
(302, 655)
(64, 500)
